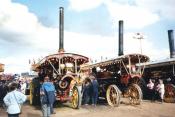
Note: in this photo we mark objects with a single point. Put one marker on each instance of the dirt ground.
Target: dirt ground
(146, 109)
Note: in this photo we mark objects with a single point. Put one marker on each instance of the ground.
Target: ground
(146, 109)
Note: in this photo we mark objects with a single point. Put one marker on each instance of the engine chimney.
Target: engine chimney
(120, 51)
(171, 43)
(61, 30)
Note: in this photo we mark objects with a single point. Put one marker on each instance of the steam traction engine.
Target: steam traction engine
(63, 69)
(121, 74)
(119, 77)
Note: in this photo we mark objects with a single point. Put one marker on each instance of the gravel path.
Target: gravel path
(146, 109)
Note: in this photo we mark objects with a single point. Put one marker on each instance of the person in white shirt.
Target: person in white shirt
(151, 90)
(150, 85)
(23, 87)
(13, 100)
(161, 89)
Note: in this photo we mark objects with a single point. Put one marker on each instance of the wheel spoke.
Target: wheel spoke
(169, 93)
(75, 98)
(113, 95)
(135, 94)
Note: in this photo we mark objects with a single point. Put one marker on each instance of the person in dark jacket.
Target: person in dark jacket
(86, 91)
(3, 92)
(95, 90)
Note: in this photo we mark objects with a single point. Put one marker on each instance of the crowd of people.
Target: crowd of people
(22, 86)
(13, 95)
(15, 91)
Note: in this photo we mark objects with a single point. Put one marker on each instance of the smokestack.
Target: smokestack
(171, 43)
(61, 30)
(120, 51)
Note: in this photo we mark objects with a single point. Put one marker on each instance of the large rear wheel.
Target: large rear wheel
(76, 97)
(169, 95)
(134, 93)
(113, 95)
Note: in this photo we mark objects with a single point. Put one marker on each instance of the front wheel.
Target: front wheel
(76, 97)
(113, 95)
(134, 94)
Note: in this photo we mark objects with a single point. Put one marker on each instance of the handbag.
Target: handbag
(19, 105)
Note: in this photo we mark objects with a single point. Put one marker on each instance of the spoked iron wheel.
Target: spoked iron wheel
(113, 95)
(169, 95)
(134, 94)
(76, 98)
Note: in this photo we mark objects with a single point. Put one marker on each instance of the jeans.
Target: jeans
(95, 98)
(45, 110)
(13, 115)
(86, 99)
(51, 99)
(51, 108)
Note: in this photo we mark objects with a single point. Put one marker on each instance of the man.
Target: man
(47, 93)
(95, 90)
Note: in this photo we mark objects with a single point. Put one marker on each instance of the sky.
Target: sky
(29, 29)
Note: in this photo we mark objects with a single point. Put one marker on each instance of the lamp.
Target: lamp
(62, 66)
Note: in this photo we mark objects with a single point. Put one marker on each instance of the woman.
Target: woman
(13, 101)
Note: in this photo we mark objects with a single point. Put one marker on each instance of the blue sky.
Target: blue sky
(29, 29)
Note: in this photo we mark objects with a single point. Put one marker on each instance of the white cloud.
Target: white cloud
(16, 64)
(94, 46)
(165, 8)
(82, 5)
(16, 18)
(27, 38)
(134, 16)
(22, 36)
(132, 45)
